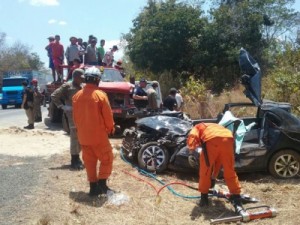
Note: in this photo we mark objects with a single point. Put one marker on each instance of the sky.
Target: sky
(32, 21)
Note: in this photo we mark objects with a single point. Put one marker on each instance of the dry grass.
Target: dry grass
(214, 104)
(63, 199)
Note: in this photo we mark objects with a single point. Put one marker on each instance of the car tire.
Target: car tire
(4, 106)
(153, 157)
(285, 164)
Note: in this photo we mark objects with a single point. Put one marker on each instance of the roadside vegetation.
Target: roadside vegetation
(194, 48)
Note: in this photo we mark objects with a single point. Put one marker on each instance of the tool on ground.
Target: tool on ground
(246, 215)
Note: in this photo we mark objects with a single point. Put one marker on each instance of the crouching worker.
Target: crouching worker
(217, 145)
(64, 95)
(94, 122)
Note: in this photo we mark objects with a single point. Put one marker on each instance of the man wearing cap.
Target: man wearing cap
(152, 96)
(62, 98)
(58, 57)
(49, 53)
(140, 96)
(170, 101)
(109, 56)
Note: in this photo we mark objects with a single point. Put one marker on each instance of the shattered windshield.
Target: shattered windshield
(173, 124)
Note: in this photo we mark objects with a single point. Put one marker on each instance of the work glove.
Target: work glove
(66, 108)
(192, 161)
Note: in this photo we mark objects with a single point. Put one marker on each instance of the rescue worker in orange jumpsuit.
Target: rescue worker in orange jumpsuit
(217, 144)
(93, 119)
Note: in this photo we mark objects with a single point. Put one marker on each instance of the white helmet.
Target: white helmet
(92, 72)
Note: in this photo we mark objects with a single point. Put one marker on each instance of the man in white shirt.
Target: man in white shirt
(179, 100)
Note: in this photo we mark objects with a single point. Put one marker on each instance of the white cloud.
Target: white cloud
(52, 21)
(41, 2)
(62, 23)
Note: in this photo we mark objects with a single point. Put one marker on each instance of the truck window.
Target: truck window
(13, 82)
(111, 76)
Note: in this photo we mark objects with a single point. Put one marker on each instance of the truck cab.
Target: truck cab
(11, 93)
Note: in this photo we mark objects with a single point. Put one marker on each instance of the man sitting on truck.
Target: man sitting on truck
(27, 104)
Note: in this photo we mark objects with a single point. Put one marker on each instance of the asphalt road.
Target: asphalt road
(19, 176)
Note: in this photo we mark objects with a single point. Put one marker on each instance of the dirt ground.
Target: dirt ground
(61, 194)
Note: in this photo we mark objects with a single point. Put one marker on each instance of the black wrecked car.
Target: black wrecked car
(269, 140)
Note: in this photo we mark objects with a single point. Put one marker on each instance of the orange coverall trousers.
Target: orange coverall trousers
(91, 154)
(220, 153)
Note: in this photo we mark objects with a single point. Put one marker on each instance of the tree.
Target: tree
(17, 57)
(163, 36)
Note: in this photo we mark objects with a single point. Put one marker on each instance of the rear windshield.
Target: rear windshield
(13, 82)
(111, 76)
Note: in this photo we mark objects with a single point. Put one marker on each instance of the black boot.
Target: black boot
(94, 189)
(237, 203)
(203, 201)
(29, 127)
(103, 187)
(76, 163)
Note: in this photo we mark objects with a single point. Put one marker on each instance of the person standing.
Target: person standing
(109, 56)
(179, 100)
(152, 96)
(140, 95)
(73, 51)
(91, 53)
(80, 43)
(93, 119)
(37, 101)
(27, 104)
(64, 94)
(58, 57)
(217, 145)
(170, 101)
(49, 53)
(101, 52)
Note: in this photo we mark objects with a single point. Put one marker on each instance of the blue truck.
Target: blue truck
(11, 90)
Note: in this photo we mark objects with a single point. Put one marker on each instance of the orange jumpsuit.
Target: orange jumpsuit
(219, 146)
(93, 119)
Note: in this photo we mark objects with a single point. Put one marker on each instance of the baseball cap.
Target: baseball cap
(173, 90)
(143, 80)
(78, 72)
(51, 38)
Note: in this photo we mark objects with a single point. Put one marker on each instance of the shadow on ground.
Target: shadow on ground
(84, 198)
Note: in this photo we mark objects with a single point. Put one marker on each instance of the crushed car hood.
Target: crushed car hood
(251, 78)
(123, 87)
(174, 125)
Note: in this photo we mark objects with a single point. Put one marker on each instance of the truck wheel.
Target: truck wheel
(153, 157)
(4, 106)
(285, 164)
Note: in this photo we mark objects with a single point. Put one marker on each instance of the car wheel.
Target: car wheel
(153, 157)
(285, 164)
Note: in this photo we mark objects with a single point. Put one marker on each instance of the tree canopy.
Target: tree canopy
(179, 36)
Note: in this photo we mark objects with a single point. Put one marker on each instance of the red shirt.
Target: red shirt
(57, 49)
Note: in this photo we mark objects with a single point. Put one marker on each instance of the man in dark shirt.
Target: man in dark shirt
(27, 104)
(140, 95)
(170, 101)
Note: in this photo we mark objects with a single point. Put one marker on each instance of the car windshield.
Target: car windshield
(13, 82)
(110, 75)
